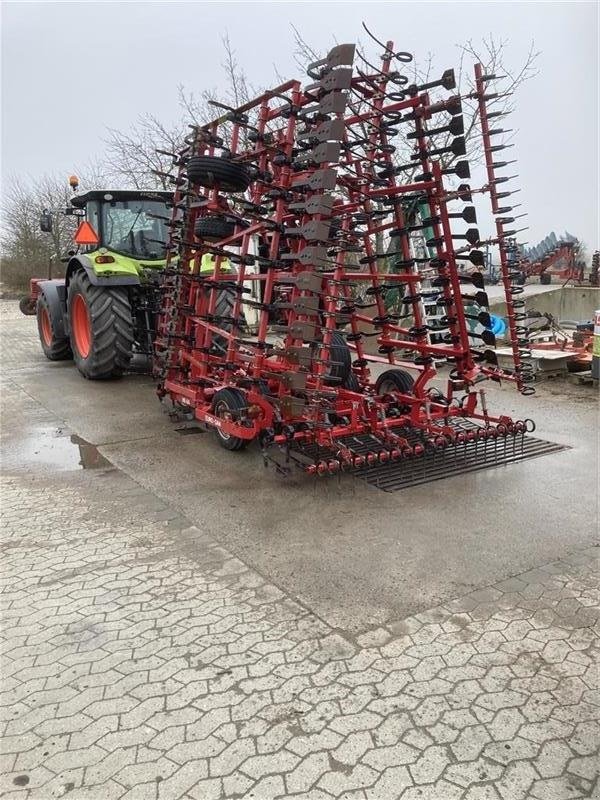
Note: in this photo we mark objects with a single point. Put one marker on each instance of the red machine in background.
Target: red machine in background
(554, 257)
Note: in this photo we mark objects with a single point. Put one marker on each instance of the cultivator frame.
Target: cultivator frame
(323, 193)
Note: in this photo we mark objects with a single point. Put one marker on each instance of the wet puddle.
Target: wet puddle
(51, 448)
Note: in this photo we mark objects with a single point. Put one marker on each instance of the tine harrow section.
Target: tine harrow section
(425, 464)
(292, 271)
(505, 220)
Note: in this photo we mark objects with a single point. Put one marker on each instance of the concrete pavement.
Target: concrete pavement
(171, 631)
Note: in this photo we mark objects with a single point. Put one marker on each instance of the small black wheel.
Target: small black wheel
(27, 306)
(227, 404)
(213, 229)
(211, 171)
(351, 383)
(545, 278)
(224, 309)
(56, 346)
(340, 358)
(394, 380)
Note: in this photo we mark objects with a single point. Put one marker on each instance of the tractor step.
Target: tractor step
(432, 464)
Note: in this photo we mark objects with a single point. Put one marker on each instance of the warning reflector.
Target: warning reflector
(85, 234)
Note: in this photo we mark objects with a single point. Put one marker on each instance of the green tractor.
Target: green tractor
(103, 311)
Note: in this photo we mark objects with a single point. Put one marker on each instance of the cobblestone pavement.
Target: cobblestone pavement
(130, 670)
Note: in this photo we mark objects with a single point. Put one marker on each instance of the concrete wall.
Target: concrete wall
(571, 303)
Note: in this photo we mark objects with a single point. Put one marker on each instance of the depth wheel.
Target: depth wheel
(101, 328)
(394, 380)
(211, 171)
(339, 352)
(227, 404)
(55, 347)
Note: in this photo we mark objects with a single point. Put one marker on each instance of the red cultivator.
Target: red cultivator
(293, 270)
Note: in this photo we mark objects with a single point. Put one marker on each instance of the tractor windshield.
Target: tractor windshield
(131, 227)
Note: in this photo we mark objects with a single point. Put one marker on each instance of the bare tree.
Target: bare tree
(133, 158)
(26, 251)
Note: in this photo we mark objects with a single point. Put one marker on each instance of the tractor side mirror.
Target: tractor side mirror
(46, 222)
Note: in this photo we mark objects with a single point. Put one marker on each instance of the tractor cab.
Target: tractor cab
(103, 311)
(128, 223)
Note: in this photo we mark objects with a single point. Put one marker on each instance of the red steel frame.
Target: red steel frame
(510, 267)
(298, 197)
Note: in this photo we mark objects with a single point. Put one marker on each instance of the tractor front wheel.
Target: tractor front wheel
(101, 328)
(27, 306)
(54, 343)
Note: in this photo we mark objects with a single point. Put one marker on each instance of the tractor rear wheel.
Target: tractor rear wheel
(228, 176)
(101, 327)
(227, 404)
(56, 346)
(394, 380)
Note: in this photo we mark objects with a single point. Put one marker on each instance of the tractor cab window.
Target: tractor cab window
(92, 214)
(131, 227)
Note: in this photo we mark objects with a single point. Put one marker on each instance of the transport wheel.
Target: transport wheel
(227, 403)
(55, 347)
(223, 308)
(213, 229)
(27, 306)
(211, 171)
(101, 326)
(339, 352)
(394, 380)
(351, 383)
(545, 278)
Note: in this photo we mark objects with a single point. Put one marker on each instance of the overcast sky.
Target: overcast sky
(70, 69)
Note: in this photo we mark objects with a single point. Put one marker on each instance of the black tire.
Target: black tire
(56, 347)
(211, 171)
(340, 358)
(351, 383)
(545, 278)
(110, 328)
(27, 306)
(214, 228)
(394, 380)
(223, 308)
(229, 401)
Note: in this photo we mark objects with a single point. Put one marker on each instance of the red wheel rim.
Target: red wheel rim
(80, 326)
(46, 327)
